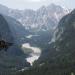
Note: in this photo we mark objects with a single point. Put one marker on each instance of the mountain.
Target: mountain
(60, 57)
(14, 58)
(63, 39)
(18, 31)
(45, 18)
(36, 28)
(39, 24)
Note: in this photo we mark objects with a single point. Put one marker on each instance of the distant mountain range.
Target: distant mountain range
(45, 18)
(39, 24)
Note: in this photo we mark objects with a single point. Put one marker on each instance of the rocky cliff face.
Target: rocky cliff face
(45, 18)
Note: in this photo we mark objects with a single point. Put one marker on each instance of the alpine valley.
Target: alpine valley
(43, 41)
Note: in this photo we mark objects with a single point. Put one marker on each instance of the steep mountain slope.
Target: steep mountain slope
(45, 18)
(14, 58)
(6, 30)
(61, 57)
(64, 39)
(18, 31)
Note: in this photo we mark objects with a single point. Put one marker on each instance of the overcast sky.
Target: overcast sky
(35, 4)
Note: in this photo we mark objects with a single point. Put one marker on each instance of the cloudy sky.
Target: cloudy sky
(35, 4)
